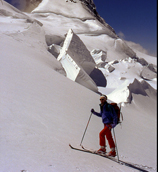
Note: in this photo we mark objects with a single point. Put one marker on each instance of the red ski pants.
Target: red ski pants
(106, 132)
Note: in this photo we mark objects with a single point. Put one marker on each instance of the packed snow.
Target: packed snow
(42, 110)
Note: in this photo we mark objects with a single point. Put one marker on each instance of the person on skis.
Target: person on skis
(109, 119)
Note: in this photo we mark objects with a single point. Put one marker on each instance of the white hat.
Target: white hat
(103, 97)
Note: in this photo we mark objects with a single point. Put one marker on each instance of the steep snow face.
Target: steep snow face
(115, 47)
(86, 24)
(41, 111)
(72, 15)
(26, 34)
(120, 45)
(81, 9)
(49, 8)
(8, 10)
(67, 8)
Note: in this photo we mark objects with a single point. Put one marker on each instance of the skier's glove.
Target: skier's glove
(92, 110)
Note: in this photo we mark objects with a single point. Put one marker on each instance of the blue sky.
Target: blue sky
(135, 19)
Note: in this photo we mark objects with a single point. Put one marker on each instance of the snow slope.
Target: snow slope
(42, 111)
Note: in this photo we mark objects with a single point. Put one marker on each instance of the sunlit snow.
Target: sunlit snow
(42, 110)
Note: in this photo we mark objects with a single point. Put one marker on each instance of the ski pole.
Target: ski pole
(116, 146)
(85, 129)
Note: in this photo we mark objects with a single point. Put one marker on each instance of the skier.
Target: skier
(109, 119)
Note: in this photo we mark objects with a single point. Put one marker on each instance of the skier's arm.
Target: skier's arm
(95, 113)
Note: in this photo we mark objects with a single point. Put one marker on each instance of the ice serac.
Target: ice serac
(129, 89)
(77, 61)
(99, 57)
(78, 51)
(147, 74)
(136, 88)
(151, 92)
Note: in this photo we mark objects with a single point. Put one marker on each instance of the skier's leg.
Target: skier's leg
(109, 138)
(111, 143)
(102, 137)
(102, 141)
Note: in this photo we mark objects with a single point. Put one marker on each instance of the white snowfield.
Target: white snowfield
(42, 110)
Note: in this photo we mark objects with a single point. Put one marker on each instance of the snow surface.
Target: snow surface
(42, 111)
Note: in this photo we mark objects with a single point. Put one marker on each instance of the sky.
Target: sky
(132, 20)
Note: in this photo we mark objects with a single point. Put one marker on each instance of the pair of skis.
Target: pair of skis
(134, 166)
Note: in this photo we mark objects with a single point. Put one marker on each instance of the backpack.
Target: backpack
(118, 112)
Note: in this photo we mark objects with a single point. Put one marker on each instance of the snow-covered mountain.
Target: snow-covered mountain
(53, 63)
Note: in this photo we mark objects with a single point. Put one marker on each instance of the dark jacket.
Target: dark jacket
(108, 114)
